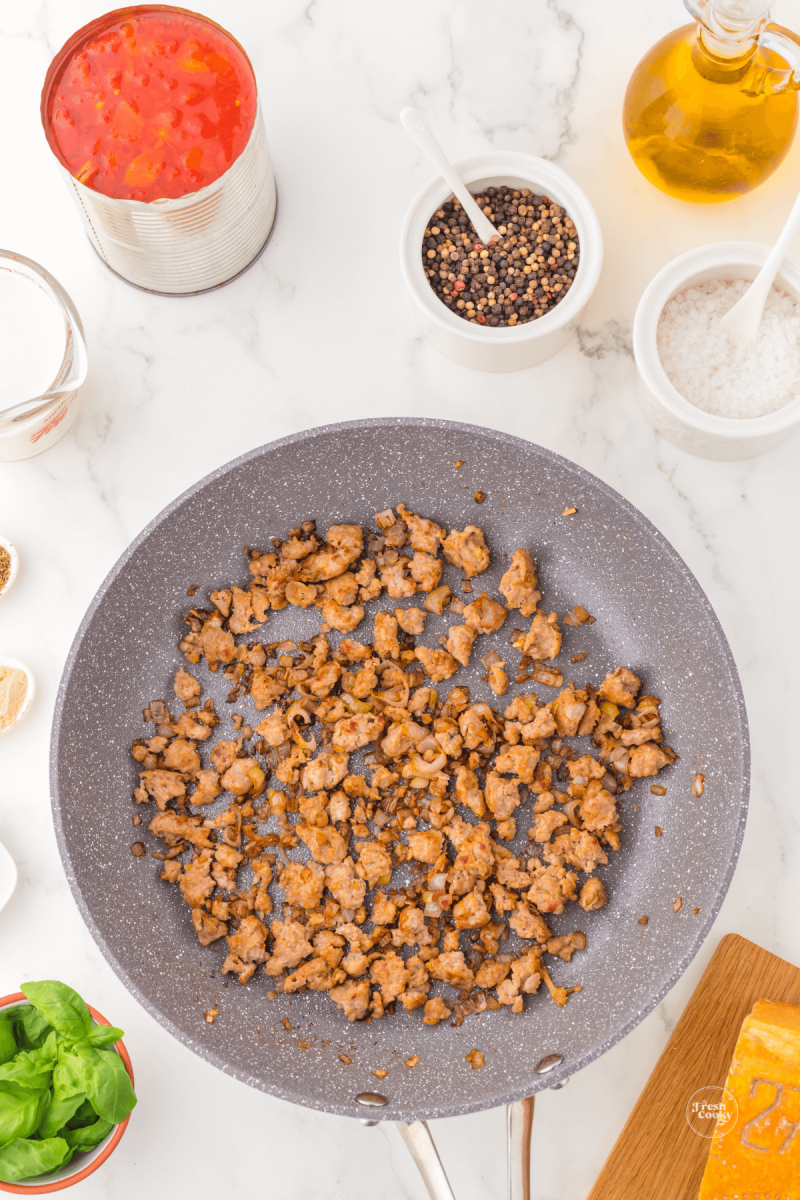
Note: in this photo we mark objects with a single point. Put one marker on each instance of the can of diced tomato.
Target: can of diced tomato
(154, 118)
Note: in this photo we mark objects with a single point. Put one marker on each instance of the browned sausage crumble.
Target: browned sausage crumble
(448, 779)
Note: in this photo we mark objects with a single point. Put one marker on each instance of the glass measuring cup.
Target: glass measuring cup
(31, 425)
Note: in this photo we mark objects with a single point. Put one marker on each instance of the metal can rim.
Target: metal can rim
(68, 48)
(168, 204)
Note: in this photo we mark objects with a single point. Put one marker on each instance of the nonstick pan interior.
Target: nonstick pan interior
(651, 616)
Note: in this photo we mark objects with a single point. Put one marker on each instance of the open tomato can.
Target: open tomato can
(153, 115)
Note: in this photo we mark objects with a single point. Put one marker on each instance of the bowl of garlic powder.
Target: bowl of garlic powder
(17, 689)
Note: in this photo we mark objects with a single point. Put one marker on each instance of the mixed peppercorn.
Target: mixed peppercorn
(513, 280)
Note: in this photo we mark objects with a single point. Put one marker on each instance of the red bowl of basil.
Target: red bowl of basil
(66, 1089)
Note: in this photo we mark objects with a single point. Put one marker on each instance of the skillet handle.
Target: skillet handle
(520, 1122)
(418, 1138)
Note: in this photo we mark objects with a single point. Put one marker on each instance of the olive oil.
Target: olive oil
(708, 118)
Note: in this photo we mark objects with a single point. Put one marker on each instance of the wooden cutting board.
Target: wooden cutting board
(657, 1156)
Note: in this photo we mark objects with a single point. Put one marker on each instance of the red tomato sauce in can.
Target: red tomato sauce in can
(150, 103)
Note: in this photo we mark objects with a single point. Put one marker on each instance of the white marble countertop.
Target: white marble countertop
(320, 330)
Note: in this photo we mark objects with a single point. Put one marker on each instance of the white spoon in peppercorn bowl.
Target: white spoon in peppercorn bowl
(417, 126)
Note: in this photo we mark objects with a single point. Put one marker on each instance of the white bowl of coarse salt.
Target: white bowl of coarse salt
(706, 391)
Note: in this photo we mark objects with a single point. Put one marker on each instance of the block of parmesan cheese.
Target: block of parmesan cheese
(760, 1156)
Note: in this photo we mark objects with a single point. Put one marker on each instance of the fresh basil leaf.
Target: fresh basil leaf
(49, 1048)
(26, 1073)
(21, 1111)
(25, 1159)
(60, 1113)
(88, 1136)
(8, 1043)
(104, 1035)
(32, 1068)
(69, 1073)
(32, 1028)
(108, 1085)
(61, 1006)
(85, 1115)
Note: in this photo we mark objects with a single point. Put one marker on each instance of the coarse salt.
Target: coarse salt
(719, 372)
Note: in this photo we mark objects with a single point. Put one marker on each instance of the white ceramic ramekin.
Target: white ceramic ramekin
(680, 421)
(13, 569)
(494, 349)
(30, 690)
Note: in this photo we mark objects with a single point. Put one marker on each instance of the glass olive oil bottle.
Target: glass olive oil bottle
(711, 110)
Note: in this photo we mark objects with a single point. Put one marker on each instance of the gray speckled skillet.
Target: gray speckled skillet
(651, 615)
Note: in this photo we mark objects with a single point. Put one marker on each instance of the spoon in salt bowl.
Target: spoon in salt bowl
(744, 318)
(417, 126)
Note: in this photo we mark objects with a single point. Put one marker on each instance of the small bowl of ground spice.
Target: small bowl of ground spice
(707, 391)
(9, 565)
(17, 687)
(515, 302)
